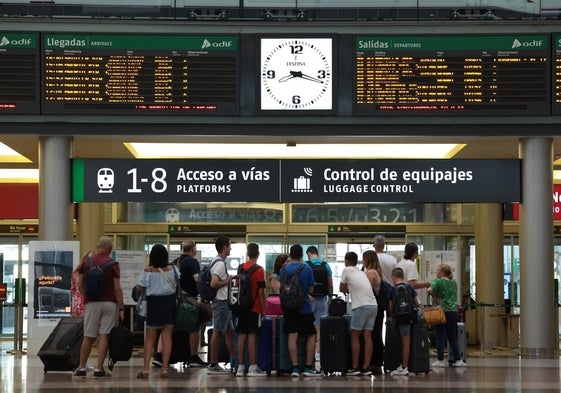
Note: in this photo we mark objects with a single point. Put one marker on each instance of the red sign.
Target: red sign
(3, 289)
(556, 204)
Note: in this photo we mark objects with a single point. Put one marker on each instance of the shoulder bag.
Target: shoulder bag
(187, 314)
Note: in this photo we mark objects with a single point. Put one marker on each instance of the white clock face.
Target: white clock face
(296, 74)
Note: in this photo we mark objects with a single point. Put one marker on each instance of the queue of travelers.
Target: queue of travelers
(371, 291)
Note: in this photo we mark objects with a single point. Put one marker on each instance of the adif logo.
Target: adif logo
(527, 44)
(222, 44)
(15, 41)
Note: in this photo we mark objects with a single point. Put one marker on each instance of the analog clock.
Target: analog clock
(296, 74)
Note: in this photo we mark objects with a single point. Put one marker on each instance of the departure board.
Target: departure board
(447, 75)
(140, 74)
(557, 77)
(19, 73)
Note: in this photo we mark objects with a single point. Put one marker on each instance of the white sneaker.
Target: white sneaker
(255, 371)
(460, 363)
(438, 363)
(240, 371)
(400, 371)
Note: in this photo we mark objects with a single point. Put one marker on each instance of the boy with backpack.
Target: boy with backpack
(249, 319)
(298, 318)
(403, 305)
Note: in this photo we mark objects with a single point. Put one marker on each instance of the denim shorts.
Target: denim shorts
(222, 316)
(364, 317)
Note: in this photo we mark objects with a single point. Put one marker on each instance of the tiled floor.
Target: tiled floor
(24, 373)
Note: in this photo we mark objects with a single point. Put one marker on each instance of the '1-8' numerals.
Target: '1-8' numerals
(158, 182)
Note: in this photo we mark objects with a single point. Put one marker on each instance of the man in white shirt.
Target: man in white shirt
(409, 267)
(387, 261)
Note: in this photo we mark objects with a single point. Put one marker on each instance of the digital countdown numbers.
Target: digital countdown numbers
(19, 76)
(136, 74)
(452, 75)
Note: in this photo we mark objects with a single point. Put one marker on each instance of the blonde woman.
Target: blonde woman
(373, 269)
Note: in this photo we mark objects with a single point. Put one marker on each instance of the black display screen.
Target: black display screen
(449, 75)
(19, 73)
(136, 74)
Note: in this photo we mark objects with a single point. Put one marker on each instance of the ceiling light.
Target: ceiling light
(8, 155)
(19, 175)
(293, 150)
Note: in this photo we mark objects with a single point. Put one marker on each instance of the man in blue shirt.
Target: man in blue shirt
(300, 321)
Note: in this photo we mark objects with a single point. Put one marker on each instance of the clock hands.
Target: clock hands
(299, 74)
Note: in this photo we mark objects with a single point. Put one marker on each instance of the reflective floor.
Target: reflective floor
(24, 373)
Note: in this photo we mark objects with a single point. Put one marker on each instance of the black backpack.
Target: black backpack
(403, 305)
(94, 280)
(240, 296)
(207, 292)
(383, 295)
(320, 278)
(292, 295)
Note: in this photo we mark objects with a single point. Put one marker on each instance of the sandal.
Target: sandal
(165, 373)
(142, 374)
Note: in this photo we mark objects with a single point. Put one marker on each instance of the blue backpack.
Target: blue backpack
(94, 281)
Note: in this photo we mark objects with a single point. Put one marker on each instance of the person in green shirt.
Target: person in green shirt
(444, 290)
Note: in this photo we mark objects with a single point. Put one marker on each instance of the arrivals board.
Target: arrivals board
(452, 75)
(557, 76)
(140, 74)
(19, 73)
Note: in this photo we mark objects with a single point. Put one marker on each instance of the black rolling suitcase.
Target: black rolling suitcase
(61, 350)
(120, 345)
(180, 348)
(334, 344)
(419, 358)
(392, 351)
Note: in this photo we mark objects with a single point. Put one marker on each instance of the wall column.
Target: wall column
(537, 322)
(55, 187)
(489, 271)
(90, 225)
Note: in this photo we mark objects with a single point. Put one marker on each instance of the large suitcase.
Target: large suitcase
(284, 365)
(334, 344)
(265, 343)
(462, 344)
(61, 350)
(180, 348)
(419, 357)
(392, 353)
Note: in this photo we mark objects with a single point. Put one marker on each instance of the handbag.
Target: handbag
(204, 310)
(434, 315)
(187, 315)
(273, 305)
(141, 305)
(337, 306)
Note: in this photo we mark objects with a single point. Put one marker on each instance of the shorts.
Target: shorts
(319, 307)
(405, 330)
(248, 322)
(364, 317)
(161, 311)
(99, 318)
(295, 322)
(221, 316)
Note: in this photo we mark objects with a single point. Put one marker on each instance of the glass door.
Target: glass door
(14, 252)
